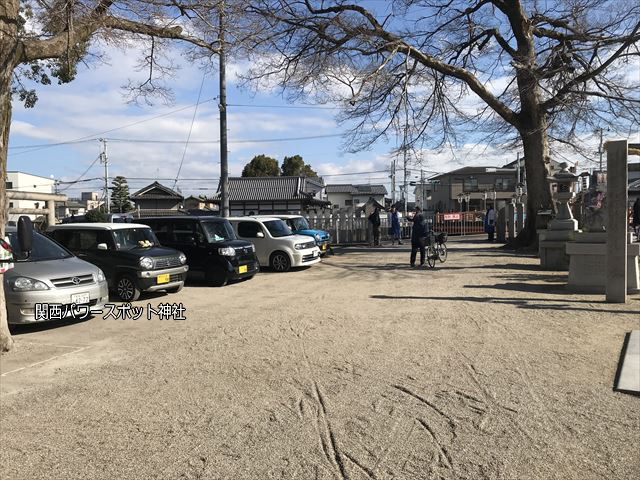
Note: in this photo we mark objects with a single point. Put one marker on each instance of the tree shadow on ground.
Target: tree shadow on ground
(556, 288)
(526, 303)
(23, 328)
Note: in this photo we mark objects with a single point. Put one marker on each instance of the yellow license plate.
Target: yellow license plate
(324, 247)
(164, 278)
(242, 269)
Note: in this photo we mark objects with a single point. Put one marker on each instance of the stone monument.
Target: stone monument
(563, 228)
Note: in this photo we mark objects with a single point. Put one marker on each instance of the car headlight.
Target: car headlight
(300, 246)
(227, 251)
(146, 263)
(253, 248)
(183, 258)
(26, 284)
(317, 237)
(101, 277)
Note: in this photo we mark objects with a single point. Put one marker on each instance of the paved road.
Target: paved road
(358, 368)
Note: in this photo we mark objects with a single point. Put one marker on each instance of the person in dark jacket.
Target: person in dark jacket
(394, 226)
(635, 220)
(374, 219)
(418, 237)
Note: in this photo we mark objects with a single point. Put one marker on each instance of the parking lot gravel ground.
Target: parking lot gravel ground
(357, 368)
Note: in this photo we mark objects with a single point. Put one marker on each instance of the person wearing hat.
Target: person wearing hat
(418, 237)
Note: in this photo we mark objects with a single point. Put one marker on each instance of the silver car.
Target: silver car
(51, 279)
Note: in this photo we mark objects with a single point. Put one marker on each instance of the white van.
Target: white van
(276, 245)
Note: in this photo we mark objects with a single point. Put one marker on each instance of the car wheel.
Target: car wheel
(127, 289)
(216, 277)
(175, 289)
(280, 262)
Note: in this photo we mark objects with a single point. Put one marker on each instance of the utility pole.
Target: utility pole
(224, 165)
(518, 169)
(105, 161)
(393, 181)
(422, 200)
(600, 152)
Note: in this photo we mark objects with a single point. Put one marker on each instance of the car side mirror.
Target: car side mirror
(25, 235)
(102, 246)
(259, 235)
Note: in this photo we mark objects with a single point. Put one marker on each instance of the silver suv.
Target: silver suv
(50, 275)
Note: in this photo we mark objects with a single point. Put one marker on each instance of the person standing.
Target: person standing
(490, 223)
(374, 219)
(394, 226)
(635, 218)
(418, 237)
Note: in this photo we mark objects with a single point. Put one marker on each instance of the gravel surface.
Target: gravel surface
(356, 368)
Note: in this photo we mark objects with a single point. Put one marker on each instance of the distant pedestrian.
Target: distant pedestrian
(635, 218)
(374, 220)
(418, 237)
(490, 223)
(394, 226)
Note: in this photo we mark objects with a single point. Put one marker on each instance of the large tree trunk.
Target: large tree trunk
(8, 36)
(536, 153)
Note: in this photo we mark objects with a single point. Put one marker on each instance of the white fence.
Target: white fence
(346, 227)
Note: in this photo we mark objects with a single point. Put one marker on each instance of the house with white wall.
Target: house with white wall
(27, 182)
(347, 195)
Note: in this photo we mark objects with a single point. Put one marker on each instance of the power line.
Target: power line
(93, 136)
(305, 107)
(205, 142)
(193, 119)
(83, 174)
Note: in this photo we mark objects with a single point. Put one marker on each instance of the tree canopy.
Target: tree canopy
(120, 195)
(522, 74)
(261, 166)
(295, 166)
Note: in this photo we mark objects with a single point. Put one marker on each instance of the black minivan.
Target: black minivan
(210, 245)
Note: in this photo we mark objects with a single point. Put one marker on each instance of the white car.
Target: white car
(275, 244)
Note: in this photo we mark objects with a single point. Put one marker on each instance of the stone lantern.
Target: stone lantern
(564, 179)
(563, 228)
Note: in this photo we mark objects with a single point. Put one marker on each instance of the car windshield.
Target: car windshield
(128, 238)
(42, 248)
(277, 228)
(298, 223)
(218, 231)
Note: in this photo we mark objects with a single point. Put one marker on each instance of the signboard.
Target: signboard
(452, 216)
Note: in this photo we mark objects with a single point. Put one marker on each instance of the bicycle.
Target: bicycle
(441, 246)
(431, 250)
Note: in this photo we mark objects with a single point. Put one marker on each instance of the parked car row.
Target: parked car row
(79, 263)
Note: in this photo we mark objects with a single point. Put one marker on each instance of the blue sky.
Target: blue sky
(94, 103)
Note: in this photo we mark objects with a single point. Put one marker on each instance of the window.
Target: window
(82, 239)
(356, 201)
(249, 229)
(162, 229)
(348, 203)
(8, 185)
(43, 248)
(277, 228)
(470, 184)
(129, 238)
(504, 184)
(183, 232)
(217, 231)
(10, 204)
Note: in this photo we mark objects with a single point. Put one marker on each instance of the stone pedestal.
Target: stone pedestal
(511, 226)
(519, 217)
(501, 226)
(552, 248)
(588, 259)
